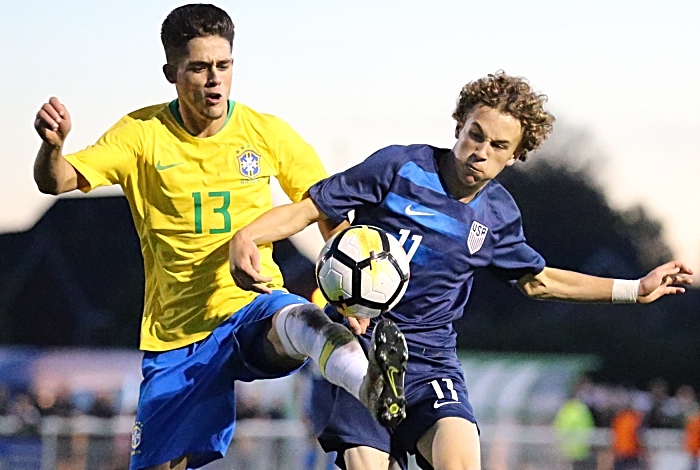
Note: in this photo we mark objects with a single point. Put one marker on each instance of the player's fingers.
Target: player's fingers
(58, 106)
(674, 290)
(364, 323)
(354, 325)
(45, 120)
(261, 288)
(51, 110)
(255, 259)
(675, 280)
(254, 275)
(685, 269)
(682, 267)
(666, 271)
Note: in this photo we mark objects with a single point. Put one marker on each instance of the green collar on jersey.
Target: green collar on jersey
(175, 111)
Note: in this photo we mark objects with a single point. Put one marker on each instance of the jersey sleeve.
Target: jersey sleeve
(112, 158)
(298, 164)
(365, 183)
(513, 258)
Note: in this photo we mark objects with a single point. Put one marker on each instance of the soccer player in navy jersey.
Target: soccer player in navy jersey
(452, 217)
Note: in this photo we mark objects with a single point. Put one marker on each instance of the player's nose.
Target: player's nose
(214, 77)
(481, 150)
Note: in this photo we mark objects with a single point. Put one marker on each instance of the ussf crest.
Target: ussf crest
(249, 164)
(477, 235)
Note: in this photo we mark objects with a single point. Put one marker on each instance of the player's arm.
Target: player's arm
(559, 284)
(276, 224)
(52, 173)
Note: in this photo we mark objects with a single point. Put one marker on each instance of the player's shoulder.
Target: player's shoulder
(422, 155)
(257, 119)
(501, 203)
(147, 113)
(153, 114)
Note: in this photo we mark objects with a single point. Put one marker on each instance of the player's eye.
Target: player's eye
(499, 145)
(476, 136)
(223, 65)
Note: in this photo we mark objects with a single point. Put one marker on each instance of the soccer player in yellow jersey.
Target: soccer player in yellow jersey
(195, 171)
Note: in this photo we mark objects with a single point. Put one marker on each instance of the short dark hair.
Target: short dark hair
(193, 21)
(513, 96)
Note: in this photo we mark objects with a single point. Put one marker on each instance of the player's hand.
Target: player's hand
(666, 279)
(358, 325)
(244, 260)
(53, 122)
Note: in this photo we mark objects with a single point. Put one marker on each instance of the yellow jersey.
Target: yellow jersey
(188, 196)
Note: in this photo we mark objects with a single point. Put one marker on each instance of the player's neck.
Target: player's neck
(201, 126)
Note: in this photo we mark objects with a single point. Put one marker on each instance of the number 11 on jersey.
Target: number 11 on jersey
(415, 242)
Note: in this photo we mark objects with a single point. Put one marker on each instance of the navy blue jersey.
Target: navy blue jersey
(399, 190)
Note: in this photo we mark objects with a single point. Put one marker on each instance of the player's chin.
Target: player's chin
(215, 112)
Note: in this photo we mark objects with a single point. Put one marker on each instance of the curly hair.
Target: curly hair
(512, 96)
(192, 21)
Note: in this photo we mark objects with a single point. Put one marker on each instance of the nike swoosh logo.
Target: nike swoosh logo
(437, 404)
(160, 167)
(392, 380)
(410, 211)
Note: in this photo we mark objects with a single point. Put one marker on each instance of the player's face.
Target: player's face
(486, 144)
(203, 78)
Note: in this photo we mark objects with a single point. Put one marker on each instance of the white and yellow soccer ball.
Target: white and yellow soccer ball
(363, 271)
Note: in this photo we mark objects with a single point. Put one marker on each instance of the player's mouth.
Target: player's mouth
(472, 169)
(213, 99)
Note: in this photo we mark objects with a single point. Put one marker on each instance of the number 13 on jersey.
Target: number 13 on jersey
(222, 221)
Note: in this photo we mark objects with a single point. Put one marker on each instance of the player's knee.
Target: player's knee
(318, 321)
(311, 315)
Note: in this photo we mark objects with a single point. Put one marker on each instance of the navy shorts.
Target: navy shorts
(435, 389)
(187, 400)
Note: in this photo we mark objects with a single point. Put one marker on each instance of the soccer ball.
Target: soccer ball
(362, 271)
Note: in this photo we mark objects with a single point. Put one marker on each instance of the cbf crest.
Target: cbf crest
(136, 437)
(249, 164)
(477, 235)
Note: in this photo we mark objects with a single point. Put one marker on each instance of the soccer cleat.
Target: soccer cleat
(383, 388)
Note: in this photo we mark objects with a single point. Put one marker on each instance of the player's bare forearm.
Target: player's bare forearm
(52, 173)
(559, 284)
(328, 228)
(276, 224)
(283, 221)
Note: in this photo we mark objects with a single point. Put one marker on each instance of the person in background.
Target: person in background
(574, 425)
(692, 440)
(627, 448)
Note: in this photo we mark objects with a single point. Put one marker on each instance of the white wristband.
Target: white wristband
(625, 291)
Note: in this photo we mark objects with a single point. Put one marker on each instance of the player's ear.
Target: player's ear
(513, 159)
(458, 129)
(170, 73)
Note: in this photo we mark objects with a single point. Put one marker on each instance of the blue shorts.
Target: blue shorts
(435, 389)
(187, 400)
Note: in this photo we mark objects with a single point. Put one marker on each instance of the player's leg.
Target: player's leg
(345, 427)
(177, 464)
(301, 331)
(451, 443)
(186, 410)
(368, 458)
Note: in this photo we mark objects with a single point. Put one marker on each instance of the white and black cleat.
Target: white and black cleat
(388, 356)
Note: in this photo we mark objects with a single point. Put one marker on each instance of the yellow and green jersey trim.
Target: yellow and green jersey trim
(174, 107)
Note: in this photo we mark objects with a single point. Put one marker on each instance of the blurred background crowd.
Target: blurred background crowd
(589, 425)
